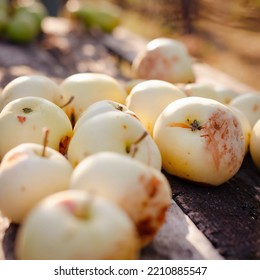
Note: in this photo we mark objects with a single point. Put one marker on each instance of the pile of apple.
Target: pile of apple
(81, 161)
(20, 23)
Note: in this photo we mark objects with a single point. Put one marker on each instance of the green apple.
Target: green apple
(106, 17)
(25, 119)
(140, 190)
(200, 140)
(31, 85)
(28, 173)
(22, 29)
(75, 225)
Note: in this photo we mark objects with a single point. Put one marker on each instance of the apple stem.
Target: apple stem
(133, 147)
(45, 141)
(68, 102)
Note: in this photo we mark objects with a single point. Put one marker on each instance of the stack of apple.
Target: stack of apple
(81, 185)
(21, 23)
(81, 167)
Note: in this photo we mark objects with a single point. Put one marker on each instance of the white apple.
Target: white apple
(115, 132)
(225, 94)
(200, 90)
(249, 104)
(254, 146)
(23, 120)
(130, 84)
(142, 191)
(200, 140)
(28, 173)
(74, 225)
(164, 59)
(101, 107)
(87, 88)
(147, 99)
(245, 124)
(31, 85)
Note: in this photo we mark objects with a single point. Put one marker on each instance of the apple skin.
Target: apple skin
(116, 132)
(200, 90)
(140, 190)
(249, 104)
(254, 146)
(147, 99)
(74, 225)
(87, 88)
(31, 85)
(245, 124)
(24, 119)
(26, 177)
(225, 94)
(100, 107)
(164, 59)
(200, 140)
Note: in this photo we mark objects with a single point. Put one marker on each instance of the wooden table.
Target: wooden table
(202, 223)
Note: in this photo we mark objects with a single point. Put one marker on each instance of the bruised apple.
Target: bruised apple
(25, 120)
(142, 191)
(75, 225)
(200, 140)
(164, 59)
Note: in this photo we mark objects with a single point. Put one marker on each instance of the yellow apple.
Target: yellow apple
(140, 190)
(74, 225)
(164, 59)
(147, 99)
(200, 140)
(87, 88)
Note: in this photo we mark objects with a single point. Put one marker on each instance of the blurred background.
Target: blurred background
(224, 34)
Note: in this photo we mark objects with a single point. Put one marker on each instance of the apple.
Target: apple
(200, 90)
(164, 59)
(28, 173)
(102, 107)
(249, 104)
(31, 85)
(254, 146)
(245, 124)
(115, 132)
(23, 120)
(130, 84)
(22, 28)
(140, 190)
(225, 94)
(75, 225)
(87, 88)
(147, 99)
(106, 17)
(200, 140)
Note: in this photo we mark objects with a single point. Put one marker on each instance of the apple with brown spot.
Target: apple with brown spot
(200, 140)
(75, 225)
(24, 119)
(142, 191)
